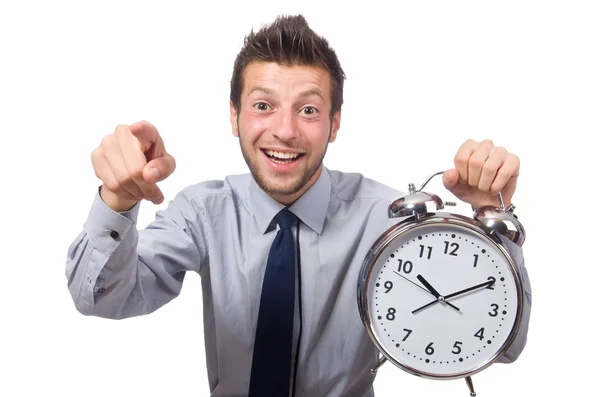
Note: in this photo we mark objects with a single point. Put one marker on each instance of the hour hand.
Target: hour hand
(434, 292)
(428, 286)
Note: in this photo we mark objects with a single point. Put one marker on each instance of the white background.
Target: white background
(422, 78)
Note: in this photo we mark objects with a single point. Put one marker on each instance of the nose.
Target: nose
(285, 125)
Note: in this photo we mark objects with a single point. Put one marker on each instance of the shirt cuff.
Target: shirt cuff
(107, 230)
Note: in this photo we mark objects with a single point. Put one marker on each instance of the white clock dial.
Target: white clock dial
(443, 300)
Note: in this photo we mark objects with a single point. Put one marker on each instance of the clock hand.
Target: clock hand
(410, 281)
(434, 292)
(425, 306)
(440, 299)
(464, 291)
(452, 295)
(428, 286)
(430, 292)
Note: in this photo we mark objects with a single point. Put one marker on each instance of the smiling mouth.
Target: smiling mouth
(282, 157)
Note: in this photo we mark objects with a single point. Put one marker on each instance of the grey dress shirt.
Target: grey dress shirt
(223, 230)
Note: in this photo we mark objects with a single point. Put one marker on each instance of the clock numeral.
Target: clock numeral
(408, 332)
(491, 286)
(405, 267)
(388, 286)
(391, 314)
(429, 349)
(457, 347)
(479, 334)
(453, 245)
(495, 312)
(428, 251)
(476, 258)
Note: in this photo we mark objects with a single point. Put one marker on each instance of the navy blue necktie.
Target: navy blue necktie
(272, 358)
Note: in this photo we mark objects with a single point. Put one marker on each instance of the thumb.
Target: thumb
(450, 179)
(159, 168)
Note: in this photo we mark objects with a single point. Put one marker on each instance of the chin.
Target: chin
(281, 189)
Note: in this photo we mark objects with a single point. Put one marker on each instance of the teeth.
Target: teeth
(281, 155)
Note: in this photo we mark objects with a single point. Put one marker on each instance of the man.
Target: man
(279, 249)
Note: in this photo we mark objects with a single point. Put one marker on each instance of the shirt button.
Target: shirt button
(114, 234)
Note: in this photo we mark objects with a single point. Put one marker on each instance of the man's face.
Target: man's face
(284, 126)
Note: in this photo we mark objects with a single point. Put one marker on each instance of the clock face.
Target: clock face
(442, 300)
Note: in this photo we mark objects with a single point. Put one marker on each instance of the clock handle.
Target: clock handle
(412, 188)
(470, 385)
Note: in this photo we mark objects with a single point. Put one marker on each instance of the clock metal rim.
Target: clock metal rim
(404, 226)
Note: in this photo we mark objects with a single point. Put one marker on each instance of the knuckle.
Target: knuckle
(498, 151)
(504, 173)
(123, 179)
(495, 188)
(94, 155)
(461, 159)
(488, 170)
(516, 160)
(137, 173)
(112, 185)
(484, 188)
(121, 128)
(477, 161)
(487, 142)
(107, 140)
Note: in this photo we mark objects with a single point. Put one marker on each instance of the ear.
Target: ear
(233, 114)
(335, 125)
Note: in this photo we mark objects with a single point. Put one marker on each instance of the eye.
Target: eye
(262, 106)
(309, 110)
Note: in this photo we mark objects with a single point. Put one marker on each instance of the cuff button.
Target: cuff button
(114, 235)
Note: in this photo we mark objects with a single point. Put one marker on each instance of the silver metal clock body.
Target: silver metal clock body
(448, 334)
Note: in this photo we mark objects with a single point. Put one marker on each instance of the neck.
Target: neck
(290, 199)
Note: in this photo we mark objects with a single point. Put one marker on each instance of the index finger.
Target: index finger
(461, 159)
(145, 132)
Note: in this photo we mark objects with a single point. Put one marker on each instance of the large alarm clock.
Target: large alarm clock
(439, 293)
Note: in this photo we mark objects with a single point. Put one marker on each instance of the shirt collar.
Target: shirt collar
(310, 208)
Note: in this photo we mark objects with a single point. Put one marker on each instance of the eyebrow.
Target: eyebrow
(261, 89)
(310, 92)
(303, 94)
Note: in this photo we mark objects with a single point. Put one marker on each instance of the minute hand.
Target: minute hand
(464, 291)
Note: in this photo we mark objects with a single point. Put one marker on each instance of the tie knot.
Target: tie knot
(285, 219)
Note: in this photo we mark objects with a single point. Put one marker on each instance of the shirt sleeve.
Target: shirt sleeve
(116, 271)
(516, 348)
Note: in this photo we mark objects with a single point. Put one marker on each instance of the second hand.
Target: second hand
(410, 281)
